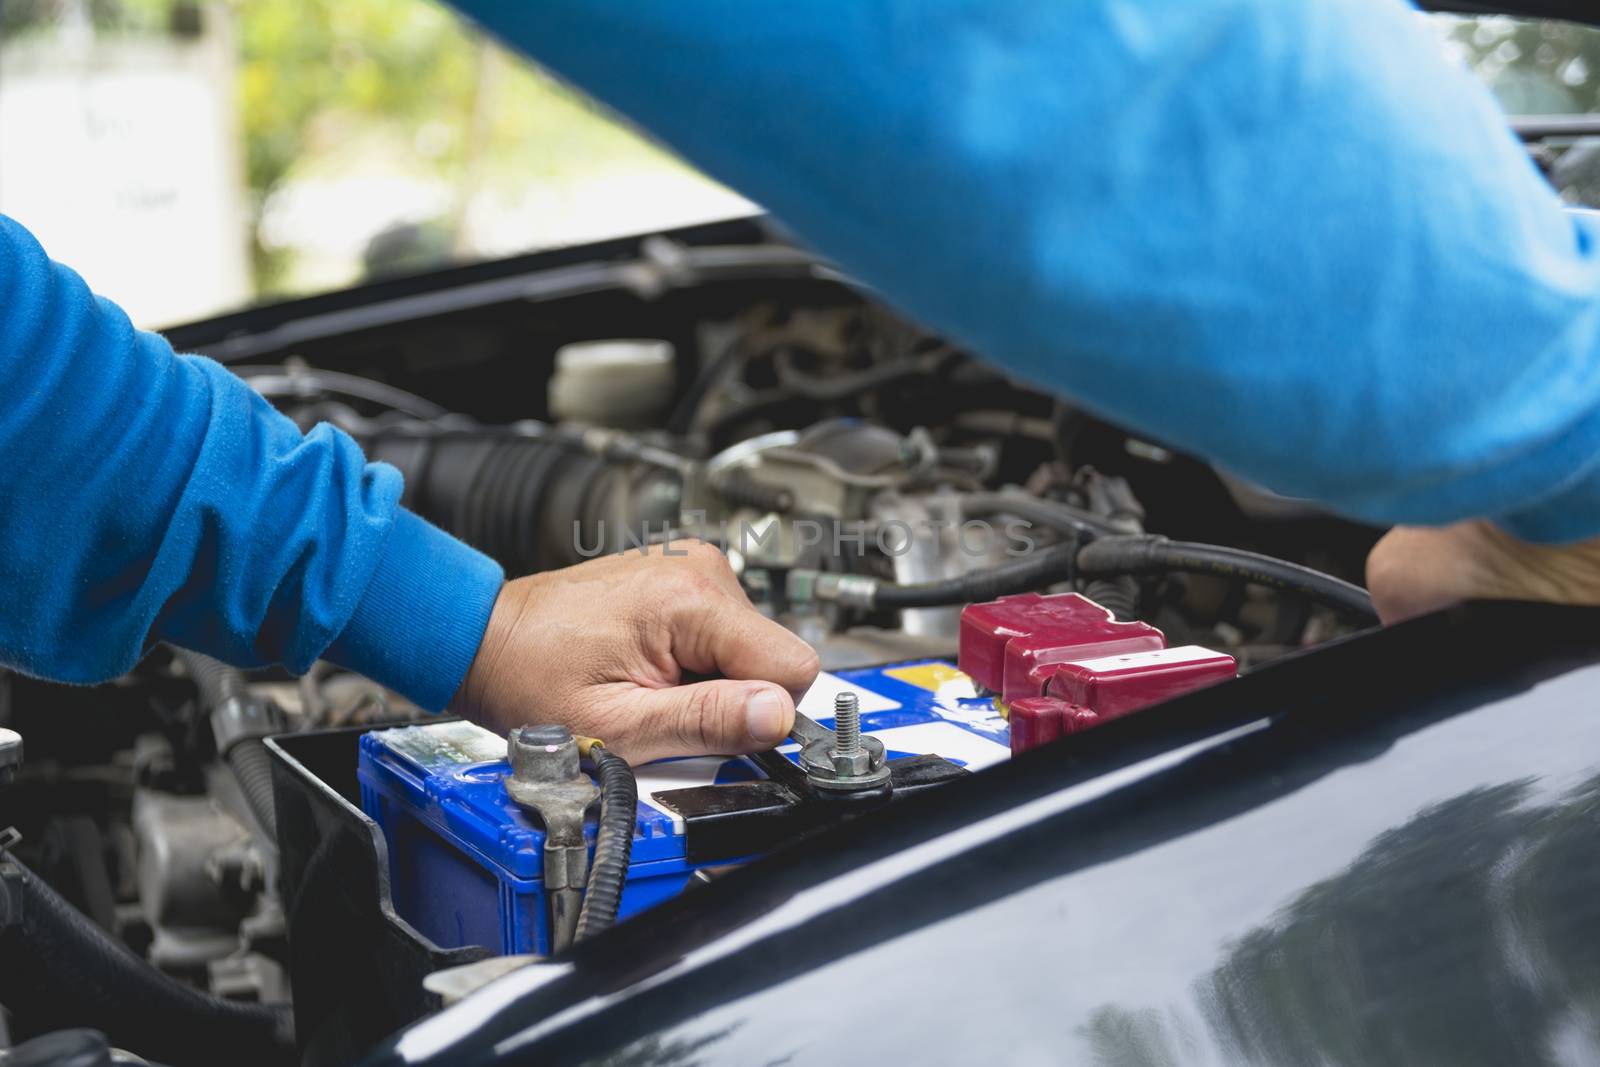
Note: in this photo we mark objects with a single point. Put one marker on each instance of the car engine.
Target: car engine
(884, 493)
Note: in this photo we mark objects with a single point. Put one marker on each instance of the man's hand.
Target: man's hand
(605, 647)
(1415, 570)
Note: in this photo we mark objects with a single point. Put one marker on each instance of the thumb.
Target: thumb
(707, 718)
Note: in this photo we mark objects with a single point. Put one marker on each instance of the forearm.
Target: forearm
(1289, 237)
(146, 496)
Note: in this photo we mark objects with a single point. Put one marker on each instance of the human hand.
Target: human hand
(1415, 569)
(604, 647)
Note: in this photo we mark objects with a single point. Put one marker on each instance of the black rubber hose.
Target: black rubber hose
(1045, 567)
(251, 764)
(61, 970)
(247, 758)
(613, 846)
(1114, 556)
(1120, 596)
(1050, 514)
(218, 683)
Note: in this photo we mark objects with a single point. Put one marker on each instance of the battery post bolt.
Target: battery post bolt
(546, 778)
(841, 760)
(849, 758)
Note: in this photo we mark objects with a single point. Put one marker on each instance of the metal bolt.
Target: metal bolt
(847, 723)
(540, 754)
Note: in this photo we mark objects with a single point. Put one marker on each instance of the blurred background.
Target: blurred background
(193, 156)
(189, 158)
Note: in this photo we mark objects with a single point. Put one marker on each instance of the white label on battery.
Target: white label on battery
(656, 778)
(818, 701)
(1158, 657)
(945, 739)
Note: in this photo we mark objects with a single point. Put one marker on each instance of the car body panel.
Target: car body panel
(1377, 852)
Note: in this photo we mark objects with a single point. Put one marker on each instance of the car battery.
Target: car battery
(466, 862)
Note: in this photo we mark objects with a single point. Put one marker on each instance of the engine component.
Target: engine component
(62, 969)
(1011, 646)
(1063, 663)
(63, 1048)
(10, 755)
(1037, 721)
(198, 878)
(626, 383)
(468, 862)
(240, 720)
(534, 501)
(1113, 686)
(547, 780)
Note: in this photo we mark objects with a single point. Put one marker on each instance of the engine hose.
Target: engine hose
(1115, 556)
(63, 970)
(218, 683)
(1058, 563)
(251, 764)
(1063, 518)
(221, 686)
(1120, 596)
(619, 813)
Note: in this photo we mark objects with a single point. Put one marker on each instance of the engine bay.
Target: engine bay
(982, 568)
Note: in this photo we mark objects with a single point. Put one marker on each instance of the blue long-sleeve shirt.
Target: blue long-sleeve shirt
(146, 496)
(1288, 236)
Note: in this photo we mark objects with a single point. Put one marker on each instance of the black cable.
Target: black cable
(1045, 567)
(251, 764)
(1120, 596)
(1063, 518)
(63, 970)
(246, 757)
(709, 374)
(1115, 556)
(218, 683)
(292, 382)
(613, 846)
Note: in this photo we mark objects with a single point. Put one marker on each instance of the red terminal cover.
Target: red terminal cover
(1044, 630)
(1039, 720)
(1116, 685)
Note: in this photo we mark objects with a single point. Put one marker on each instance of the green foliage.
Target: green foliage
(311, 68)
(316, 72)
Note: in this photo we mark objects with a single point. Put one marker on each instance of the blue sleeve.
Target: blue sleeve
(146, 497)
(1288, 236)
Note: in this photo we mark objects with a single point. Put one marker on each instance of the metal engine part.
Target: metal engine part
(204, 891)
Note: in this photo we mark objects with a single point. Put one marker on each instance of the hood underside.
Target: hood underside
(1573, 10)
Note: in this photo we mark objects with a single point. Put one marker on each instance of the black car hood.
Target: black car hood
(1572, 10)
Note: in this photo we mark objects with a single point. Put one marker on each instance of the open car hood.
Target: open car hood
(1573, 10)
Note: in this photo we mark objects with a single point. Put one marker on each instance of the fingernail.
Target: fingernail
(764, 712)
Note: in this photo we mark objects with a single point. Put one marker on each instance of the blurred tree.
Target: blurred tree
(1536, 67)
(309, 67)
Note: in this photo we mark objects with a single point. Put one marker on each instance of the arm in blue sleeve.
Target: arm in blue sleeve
(1289, 236)
(146, 496)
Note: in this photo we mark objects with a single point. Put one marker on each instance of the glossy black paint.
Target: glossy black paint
(1379, 852)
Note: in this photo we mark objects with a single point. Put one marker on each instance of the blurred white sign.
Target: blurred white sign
(122, 158)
